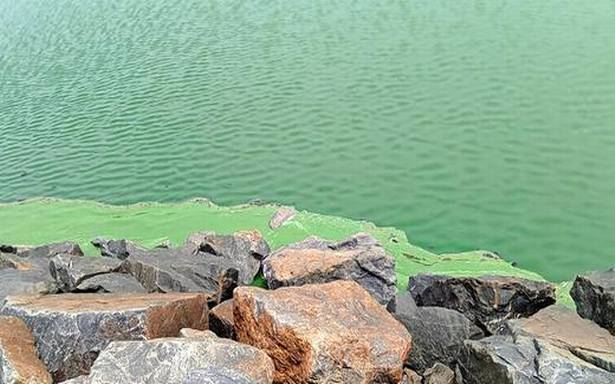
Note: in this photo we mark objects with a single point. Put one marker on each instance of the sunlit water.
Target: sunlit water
(469, 124)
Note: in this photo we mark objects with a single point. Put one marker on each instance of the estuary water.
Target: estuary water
(467, 123)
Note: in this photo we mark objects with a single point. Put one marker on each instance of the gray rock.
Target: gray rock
(594, 295)
(111, 283)
(281, 217)
(69, 271)
(439, 374)
(181, 360)
(487, 300)
(359, 258)
(525, 360)
(437, 333)
(221, 320)
(411, 377)
(70, 330)
(119, 249)
(51, 250)
(19, 275)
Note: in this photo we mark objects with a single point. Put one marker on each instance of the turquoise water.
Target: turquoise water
(466, 123)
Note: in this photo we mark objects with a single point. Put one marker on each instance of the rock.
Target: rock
(332, 332)
(439, 374)
(281, 217)
(221, 320)
(437, 333)
(19, 362)
(359, 258)
(564, 329)
(70, 330)
(525, 360)
(69, 271)
(485, 300)
(181, 360)
(110, 283)
(50, 250)
(24, 275)
(411, 377)
(119, 249)
(195, 333)
(594, 295)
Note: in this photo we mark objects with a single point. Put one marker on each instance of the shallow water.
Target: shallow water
(468, 124)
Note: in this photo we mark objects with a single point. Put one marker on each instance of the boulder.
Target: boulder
(119, 249)
(110, 283)
(281, 217)
(69, 271)
(439, 374)
(437, 333)
(50, 250)
(70, 330)
(565, 329)
(594, 294)
(359, 258)
(19, 275)
(181, 360)
(332, 332)
(525, 360)
(19, 362)
(221, 320)
(411, 377)
(487, 300)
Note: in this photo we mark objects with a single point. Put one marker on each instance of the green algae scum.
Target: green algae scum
(41, 221)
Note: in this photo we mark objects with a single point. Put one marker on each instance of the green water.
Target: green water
(468, 124)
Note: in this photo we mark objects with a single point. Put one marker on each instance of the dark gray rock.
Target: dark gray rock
(181, 360)
(119, 249)
(51, 250)
(439, 374)
(70, 330)
(486, 300)
(110, 283)
(525, 360)
(437, 333)
(359, 258)
(594, 294)
(70, 271)
(20, 275)
(221, 320)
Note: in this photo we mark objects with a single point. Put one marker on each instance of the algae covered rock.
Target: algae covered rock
(594, 295)
(360, 258)
(281, 217)
(19, 362)
(485, 300)
(332, 332)
(70, 330)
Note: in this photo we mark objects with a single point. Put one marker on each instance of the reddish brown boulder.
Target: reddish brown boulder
(332, 332)
(221, 320)
(70, 330)
(19, 362)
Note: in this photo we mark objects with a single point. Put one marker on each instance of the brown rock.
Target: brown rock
(19, 362)
(439, 374)
(333, 332)
(221, 320)
(70, 330)
(411, 377)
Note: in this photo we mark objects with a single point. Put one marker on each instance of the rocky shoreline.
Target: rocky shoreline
(330, 312)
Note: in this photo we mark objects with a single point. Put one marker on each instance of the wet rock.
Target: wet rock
(119, 249)
(485, 300)
(70, 330)
(525, 360)
(281, 217)
(181, 360)
(332, 332)
(594, 294)
(439, 374)
(221, 320)
(565, 329)
(437, 333)
(359, 258)
(69, 271)
(110, 283)
(19, 362)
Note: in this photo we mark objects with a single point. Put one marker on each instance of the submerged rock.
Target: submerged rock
(19, 362)
(438, 334)
(359, 258)
(221, 320)
(485, 300)
(594, 295)
(332, 332)
(281, 217)
(70, 330)
(181, 360)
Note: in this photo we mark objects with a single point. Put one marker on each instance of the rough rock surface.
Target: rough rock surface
(181, 360)
(439, 374)
(69, 271)
(110, 283)
(51, 250)
(281, 217)
(486, 300)
(359, 258)
(332, 332)
(119, 249)
(563, 328)
(221, 320)
(594, 295)
(20, 275)
(19, 362)
(411, 377)
(437, 333)
(70, 330)
(526, 360)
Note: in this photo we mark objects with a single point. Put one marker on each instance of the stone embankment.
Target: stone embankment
(329, 313)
